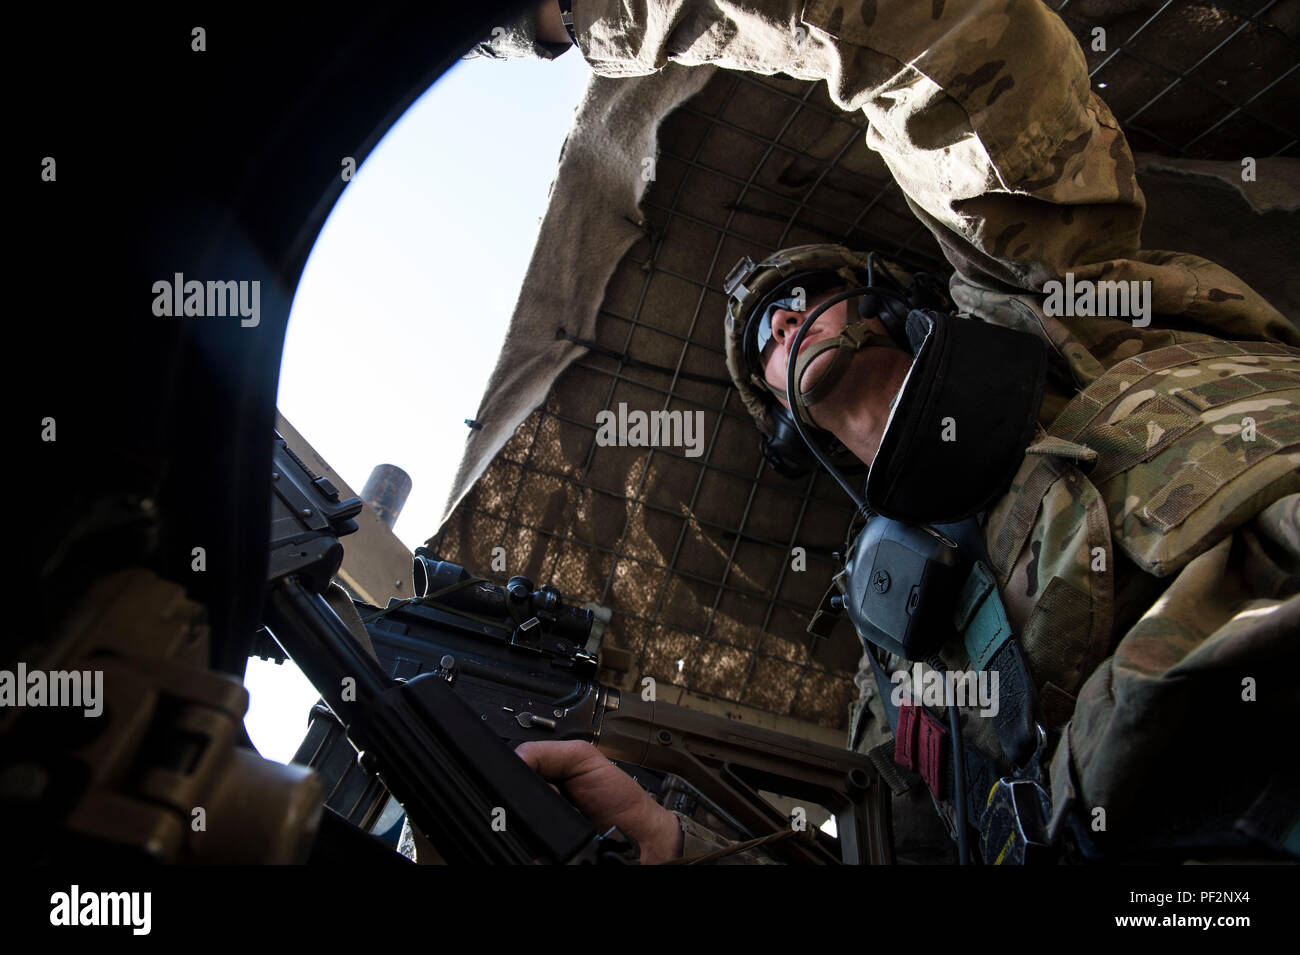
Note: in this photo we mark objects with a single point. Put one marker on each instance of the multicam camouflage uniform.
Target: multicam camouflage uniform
(1148, 551)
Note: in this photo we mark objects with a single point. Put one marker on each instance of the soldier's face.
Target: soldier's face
(857, 409)
(785, 325)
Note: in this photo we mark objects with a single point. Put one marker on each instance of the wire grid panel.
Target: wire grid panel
(693, 548)
(1201, 80)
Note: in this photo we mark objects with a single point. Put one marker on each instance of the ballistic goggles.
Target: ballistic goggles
(798, 293)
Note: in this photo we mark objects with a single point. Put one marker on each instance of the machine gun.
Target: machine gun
(468, 669)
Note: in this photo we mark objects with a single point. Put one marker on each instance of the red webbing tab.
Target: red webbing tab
(930, 752)
(905, 736)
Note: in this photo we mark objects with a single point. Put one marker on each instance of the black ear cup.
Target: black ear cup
(786, 453)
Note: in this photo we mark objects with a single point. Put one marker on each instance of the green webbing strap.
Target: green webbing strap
(986, 631)
(982, 621)
(1012, 813)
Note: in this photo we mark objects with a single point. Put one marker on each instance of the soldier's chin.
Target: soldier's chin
(813, 373)
(811, 376)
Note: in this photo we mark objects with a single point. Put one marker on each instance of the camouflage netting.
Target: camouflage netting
(693, 554)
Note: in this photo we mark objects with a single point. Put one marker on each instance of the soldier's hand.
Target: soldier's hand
(606, 795)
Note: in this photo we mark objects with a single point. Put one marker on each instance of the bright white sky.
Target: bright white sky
(405, 300)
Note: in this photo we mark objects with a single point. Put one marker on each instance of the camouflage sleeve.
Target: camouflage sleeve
(985, 115)
(1207, 670)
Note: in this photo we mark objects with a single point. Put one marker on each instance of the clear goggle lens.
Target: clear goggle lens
(765, 342)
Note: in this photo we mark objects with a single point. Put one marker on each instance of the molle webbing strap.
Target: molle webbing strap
(1083, 410)
(930, 749)
(1199, 479)
(920, 745)
(1019, 523)
(982, 620)
(1103, 416)
(886, 756)
(905, 736)
(882, 757)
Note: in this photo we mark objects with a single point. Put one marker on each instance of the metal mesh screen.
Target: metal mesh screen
(695, 555)
(1201, 80)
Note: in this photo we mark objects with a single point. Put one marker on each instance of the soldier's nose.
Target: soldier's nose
(783, 323)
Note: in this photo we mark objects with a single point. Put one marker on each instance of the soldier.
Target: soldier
(1135, 486)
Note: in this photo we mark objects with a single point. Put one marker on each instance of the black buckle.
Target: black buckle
(1013, 826)
(1013, 829)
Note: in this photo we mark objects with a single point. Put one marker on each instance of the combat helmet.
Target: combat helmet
(883, 290)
